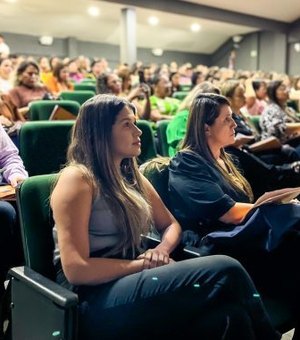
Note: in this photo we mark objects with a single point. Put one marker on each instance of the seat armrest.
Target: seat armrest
(180, 253)
(42, 285)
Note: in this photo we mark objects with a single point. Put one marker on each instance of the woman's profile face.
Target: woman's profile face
(222, 132)
(238, 99)
(6, 68)
(125, 141)
(30, 76)
(64, 74)
(282, 93)
(114, 84)
(261, 93)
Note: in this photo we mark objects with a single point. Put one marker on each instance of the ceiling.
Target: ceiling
(65, 18)
(281, 10)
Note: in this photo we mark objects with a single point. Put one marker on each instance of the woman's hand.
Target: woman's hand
(154, 258)
(17, 180)
(142, 91)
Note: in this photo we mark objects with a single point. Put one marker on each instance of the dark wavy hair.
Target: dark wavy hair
(22, 67)
(271, 90)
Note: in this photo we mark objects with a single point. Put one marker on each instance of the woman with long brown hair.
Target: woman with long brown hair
(101, 205)
(214, 204)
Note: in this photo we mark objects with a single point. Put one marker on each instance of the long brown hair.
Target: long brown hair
(204, 111)
(123, 190)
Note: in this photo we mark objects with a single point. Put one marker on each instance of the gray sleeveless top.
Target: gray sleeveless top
(103, 232)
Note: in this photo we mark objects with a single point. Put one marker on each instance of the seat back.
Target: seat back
(185, 88)
(157, 172)
(148, 149)
(36, 223)
(78, 96)
(88, 81)
(254, 120)
(43, 145)
(180, 95)
(162, 137)
(42, 109)
(85, 87)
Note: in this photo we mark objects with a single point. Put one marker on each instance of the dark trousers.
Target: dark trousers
(261, 176)
(204, 298)
(7, 223)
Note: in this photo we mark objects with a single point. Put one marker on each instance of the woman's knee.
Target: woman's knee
(227, 265)
(7, 213)
(231, 273)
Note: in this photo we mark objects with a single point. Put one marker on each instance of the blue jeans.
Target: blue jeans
(205, 298)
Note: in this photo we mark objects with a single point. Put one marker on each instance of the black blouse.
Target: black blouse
(199, 194)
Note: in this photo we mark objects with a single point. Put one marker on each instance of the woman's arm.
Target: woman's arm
(156, 115)
(71, 202)
(166, 224)
(249, 93)
(237, 213)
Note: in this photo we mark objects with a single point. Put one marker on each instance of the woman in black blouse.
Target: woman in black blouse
(214, 203)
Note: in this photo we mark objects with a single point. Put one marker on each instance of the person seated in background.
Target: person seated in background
(295, 92)
(261, 175)
(6, 70)
(177, 126)
(110, 83)
(197, 78)
(74, 72)
(28, 88)
(124, 75)
(54, 60)
(214, 204)
(84, 65)
(235, 93)
(174, 79)
(12, 172)
(256, 96)
(45, 69)
(278, 119)
(97, 68)
(162, 105)
(59, 80)
(101, 205)
(4, 48)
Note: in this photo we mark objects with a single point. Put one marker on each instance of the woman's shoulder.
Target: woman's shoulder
(76, 178)
(189, 161)
(189, 155)
(271, 107)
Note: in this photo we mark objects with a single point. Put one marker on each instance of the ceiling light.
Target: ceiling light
(297, 47)
(237, 39)
(153, 21)
(158, 52)
(11, 1)
(195, 27)
(46, 40)
(93, 11)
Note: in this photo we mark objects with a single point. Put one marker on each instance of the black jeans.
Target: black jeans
(261, 176)
(7, 222)
(205, 298)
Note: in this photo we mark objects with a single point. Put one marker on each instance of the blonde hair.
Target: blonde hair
(205, 87)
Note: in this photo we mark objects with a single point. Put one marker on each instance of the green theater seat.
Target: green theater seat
(43, 145)
(42, 109)
(78, 96)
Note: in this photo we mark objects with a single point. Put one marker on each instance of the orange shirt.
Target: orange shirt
(56, 87)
